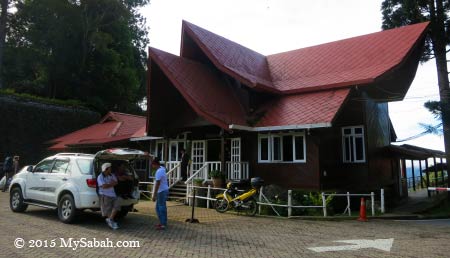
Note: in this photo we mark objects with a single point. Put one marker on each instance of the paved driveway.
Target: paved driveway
(217, 235)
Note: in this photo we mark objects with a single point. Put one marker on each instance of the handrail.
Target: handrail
(173, 176)
(194, 175)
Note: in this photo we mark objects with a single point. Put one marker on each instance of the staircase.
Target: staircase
(178, 192)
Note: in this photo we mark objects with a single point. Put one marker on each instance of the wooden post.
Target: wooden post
(413, 176)
(420, 172)
(428, 177)
(324, 204)
(289, 203)
(222, 152)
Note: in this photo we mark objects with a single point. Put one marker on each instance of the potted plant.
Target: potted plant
(216, 176)
(198, 181)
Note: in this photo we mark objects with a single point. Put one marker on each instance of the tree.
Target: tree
(403, 12)
(90, 50)
(3, 20)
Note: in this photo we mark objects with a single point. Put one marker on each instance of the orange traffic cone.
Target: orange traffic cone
(362, 211)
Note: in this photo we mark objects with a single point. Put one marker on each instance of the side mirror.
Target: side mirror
(30, 168)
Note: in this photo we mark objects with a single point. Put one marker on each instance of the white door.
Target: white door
(198, 155)
(36, 186)
(56, 179)
(173, 151)
(236, 158)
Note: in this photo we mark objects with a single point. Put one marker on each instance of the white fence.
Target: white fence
(263, 201)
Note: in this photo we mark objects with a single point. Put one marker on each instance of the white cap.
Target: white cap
(105, 166)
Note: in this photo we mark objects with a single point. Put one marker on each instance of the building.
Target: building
(315, 118)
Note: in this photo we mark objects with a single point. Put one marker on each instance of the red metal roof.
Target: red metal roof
(112, 127)
(358, 60)
(232, 57)
(306, 81)
(207, 94)
(303, 109)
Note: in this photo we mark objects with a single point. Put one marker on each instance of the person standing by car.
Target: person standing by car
(160, 193)
(109, 203)
(7, 170)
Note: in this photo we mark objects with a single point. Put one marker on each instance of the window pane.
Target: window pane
(287, 148)
(44, 166)
(299, 151)
(359, 148)
(60, 166)
(348, 151)
(348, 131)
(85, 166)
(264, 154)
(276, 148)
(358, 130)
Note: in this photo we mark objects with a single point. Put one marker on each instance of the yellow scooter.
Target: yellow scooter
(244, 202)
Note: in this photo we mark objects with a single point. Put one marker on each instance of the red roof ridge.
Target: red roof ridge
(422, 24)
(244, 70)
(304, 70)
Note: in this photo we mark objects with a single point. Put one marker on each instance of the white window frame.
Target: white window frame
(264, 136)
(294, 149)
(353, 137)
(163, 142)
(270, 138)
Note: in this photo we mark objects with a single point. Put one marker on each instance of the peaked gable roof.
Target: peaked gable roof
(207, 94)
(112, 127)
(310, 84)
(343, 63)
(230, 57)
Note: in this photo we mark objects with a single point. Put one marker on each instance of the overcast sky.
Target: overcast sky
(273, 26)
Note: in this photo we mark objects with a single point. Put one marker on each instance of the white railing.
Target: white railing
(173, 173)
(263, 201)
(237, 170)
(201, 173)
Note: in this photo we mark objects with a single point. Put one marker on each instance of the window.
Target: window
(85, 166)
(44, 166)
(60, 166)
(160, 146)
(353, 144)
(264, 148)
(281, 148)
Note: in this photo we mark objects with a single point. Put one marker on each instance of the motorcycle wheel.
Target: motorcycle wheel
(221, 205)
(251, 208)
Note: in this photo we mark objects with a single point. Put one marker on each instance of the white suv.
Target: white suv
(67, 182)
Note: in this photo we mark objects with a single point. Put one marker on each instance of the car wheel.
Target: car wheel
(67, 209)
(16, 200)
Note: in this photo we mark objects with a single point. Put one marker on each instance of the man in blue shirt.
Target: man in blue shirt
(160, 193)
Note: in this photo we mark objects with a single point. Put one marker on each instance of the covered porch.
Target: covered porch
(419, 168)
(205, 155)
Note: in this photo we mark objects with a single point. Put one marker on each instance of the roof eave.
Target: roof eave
(279, 127)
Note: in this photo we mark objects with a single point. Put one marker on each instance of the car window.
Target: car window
(45, 166)
(85, 166)
(60, 166)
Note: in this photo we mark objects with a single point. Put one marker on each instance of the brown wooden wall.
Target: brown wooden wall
(290, 175)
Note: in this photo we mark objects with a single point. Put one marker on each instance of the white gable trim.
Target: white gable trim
(278, 128)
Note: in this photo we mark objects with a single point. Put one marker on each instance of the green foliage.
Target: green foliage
(29, 97)
(215, 173)
(198, 181)
(89, 50)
